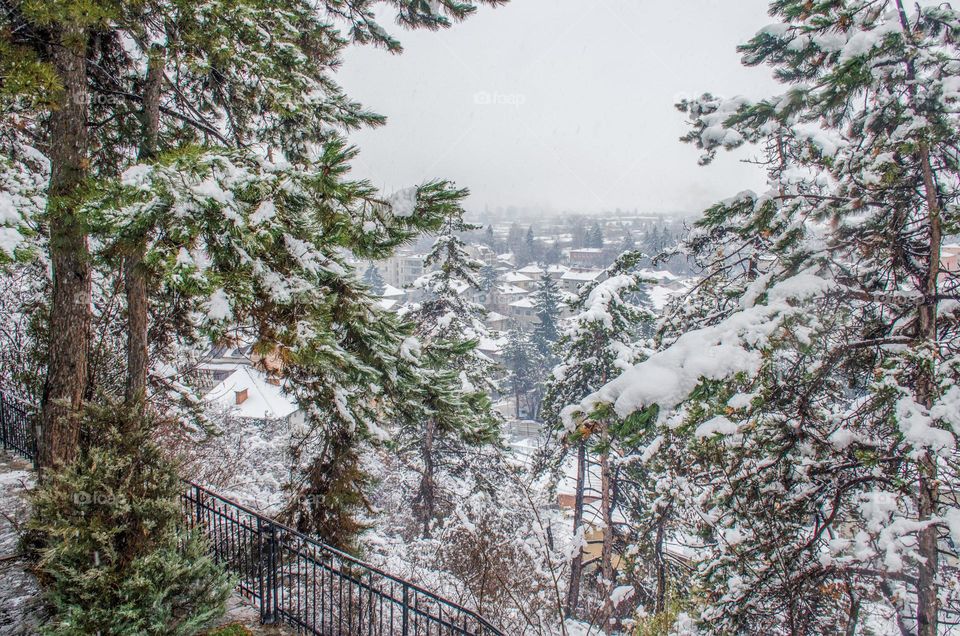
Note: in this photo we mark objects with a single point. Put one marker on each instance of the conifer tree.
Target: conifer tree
(814, 394)
(374, 280)
(595, 236)
(455, 378)
(532, 248)
(488, 278)
(489, 239)
(520, 361)
(601, 340)
(547, 302)
(157, 76)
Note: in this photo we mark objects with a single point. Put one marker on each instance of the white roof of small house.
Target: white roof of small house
(523, 303)
(515, 277)
(491, 345)
(536, 270)
(658, 275)
(264, 400)
(592, 274)
(511, 290)
(389, 291)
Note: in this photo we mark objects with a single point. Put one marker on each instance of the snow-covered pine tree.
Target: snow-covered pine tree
(601, 340)
(488, 278)
(652, 243)
(814, 399)
(547, 304)
(260, 249)
(227, 98)
(489, 239)
(155, 76)
(456, 378)
(533, 252)
(520, 360)
(595, 236)
(374, 280)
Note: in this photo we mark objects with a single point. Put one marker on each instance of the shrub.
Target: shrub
(111, 550)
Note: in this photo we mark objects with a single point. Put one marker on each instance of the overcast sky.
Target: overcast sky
(565, 105)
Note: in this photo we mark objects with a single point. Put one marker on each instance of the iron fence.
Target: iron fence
(290, 577)
(16, 427)
(296, 580)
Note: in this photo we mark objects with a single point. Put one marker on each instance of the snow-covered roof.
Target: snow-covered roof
(558, 269)
(525, 303)
(264, 400)
(511, 290)
(495, 317)
(387, 303)
(592, 274)
(460, 286)
(658, 275)
(389, 291)
(586, 250)
(515, 277)
(531, 269)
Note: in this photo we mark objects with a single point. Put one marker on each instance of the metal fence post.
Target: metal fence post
(198, 507)
(3, 421)
(268, 612)
(406, 610)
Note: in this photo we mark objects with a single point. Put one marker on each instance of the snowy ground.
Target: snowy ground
(21, 612)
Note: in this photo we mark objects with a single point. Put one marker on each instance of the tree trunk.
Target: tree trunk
(607, 571)
(576, 566)
(926, 385)
(927, 486)
(134, 271)
(661, 566)
(516, 401)
(853, 617)
(70, 310)
(427, 495)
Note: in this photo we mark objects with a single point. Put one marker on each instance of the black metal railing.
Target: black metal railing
(16, 427)
(299, 581)
(290, 577)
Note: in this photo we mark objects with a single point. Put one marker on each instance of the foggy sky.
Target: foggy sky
(567, 105)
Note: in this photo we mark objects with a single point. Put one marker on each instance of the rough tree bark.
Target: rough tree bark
(576, 565)
(426, 498)
(607, 571)
(927, 612)
(927, 486)
(134, 270)
(661, 562)
(70, 310)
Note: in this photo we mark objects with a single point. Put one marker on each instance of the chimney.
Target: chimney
(241, 396)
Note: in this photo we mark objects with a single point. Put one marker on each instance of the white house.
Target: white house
(250, 394)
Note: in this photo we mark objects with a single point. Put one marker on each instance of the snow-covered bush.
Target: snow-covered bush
(106, 531)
